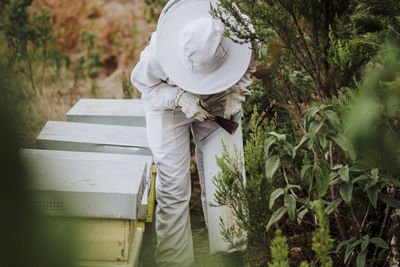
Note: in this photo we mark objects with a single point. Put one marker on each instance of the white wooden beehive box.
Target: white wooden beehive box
(89, 137)
(83, 184)
(128, 112)
(92, 197)
(212, 147)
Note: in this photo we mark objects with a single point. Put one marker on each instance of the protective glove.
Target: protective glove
(233, 105)
(194, 107)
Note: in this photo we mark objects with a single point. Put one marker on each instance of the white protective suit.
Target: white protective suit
(168, 132)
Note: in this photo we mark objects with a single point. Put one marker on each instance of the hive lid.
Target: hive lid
(92, 133)
(113, 107)
(109, 111)
(84, 171)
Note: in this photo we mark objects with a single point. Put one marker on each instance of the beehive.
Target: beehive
(88, 137)
(83, 184)
(128, 112)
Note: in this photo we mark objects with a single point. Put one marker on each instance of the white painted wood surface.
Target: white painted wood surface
(109, 111)
(85, 184)
(212, 147)
(90, 137)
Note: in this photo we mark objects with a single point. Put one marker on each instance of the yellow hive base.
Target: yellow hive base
(133, 260)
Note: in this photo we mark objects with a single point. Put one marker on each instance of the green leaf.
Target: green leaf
(350, 248)
(271, 165)
(333, 120)
(289, 186)
(379, 242)
(337, 167)
(304, 202)
(312, 141)
(347, 254)
(374, 178)
(391, 202)
(302, 141)
(322, 140)
(361, 258)
(372, 195)
(345, 144)
(360, 178)
(335, 181)
(375, 172)
(274, 196)
(365, 243)
(344, 174)
(332, 205)
(270, 140)
(276, 216)
(355, 169)
(333, 174)
(346, 191)
(280, 137)
(315, 126)
(313, 204)
(300, 215)
(322, 180)
(311, 114)
(290, 204)
(288, 148)
(345, 242)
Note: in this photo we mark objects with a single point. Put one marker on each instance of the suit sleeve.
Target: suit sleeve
(150, 79)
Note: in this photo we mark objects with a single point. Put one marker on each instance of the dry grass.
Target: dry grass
(120, 29)
(121, 33)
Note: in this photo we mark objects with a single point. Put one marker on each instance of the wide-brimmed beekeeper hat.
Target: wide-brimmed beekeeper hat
(193, 51)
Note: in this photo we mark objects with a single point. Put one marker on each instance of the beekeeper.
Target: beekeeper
(187, 70)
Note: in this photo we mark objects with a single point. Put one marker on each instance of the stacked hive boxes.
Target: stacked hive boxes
(92, 175)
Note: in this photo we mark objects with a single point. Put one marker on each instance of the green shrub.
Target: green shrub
(279, 251)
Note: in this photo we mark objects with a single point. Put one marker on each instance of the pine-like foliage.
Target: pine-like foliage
(279, 251)
(327, 39)
(322, 242)
(248, 199)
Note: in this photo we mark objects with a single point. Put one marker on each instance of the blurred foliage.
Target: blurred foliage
(26, 39)
(30, 49)
(153, 9)
(30, 52)
(90, 63)
(373, 119)
(26, 238)
(128, 91)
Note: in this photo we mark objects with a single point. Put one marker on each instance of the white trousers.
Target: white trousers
(168, 133)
